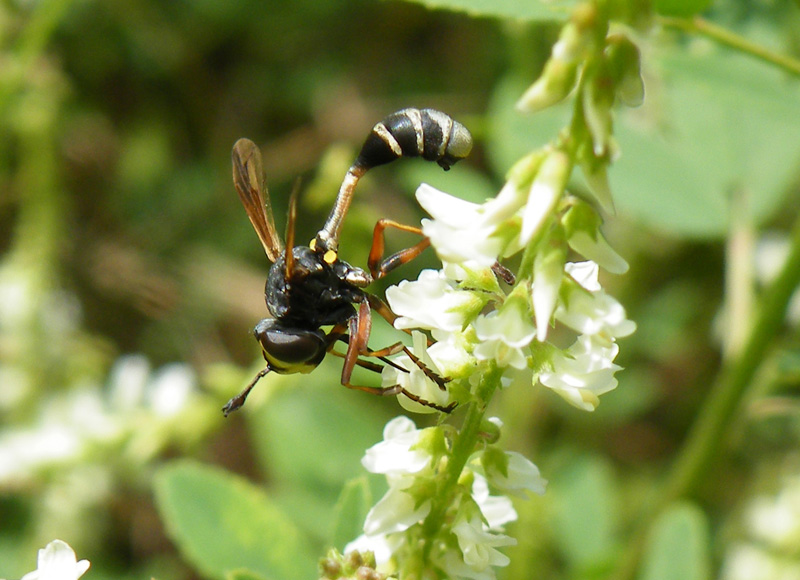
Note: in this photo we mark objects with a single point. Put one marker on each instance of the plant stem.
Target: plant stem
(728, 391)
(463, 447)
(727, 38)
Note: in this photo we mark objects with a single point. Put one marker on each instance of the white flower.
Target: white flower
(460, 231)
(171, 389)
(497, 509)
(585, 273)
(394, 455)
(399, 458)
(57, 561)
(478, 544)
(431, 302)
(589, 310)
(775, 520)
(546, 190)
(381, 546)
(22, 452)
(128, 382)
(520, 474)
(754, 562)
(165, 392)
(452, 563)
(583, 373)
(506, 333)
(396, 511)
(443, 358)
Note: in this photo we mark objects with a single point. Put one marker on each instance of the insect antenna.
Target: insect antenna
(236, 402)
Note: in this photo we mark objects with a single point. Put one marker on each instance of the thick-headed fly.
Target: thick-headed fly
(309, 287)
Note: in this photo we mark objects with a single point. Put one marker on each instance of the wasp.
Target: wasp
(310, 287)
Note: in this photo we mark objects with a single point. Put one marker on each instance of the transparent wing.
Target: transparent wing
(248, 178)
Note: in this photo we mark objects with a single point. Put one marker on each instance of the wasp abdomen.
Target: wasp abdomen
(428, 133)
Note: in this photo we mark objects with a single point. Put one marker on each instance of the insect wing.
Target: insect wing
(248, 179)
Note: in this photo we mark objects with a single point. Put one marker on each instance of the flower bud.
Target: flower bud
(597, 101)
(624, 62)
(545, 192)
(582, 225)
(490, 430)
(561, 71)
(523, 171)
(595, 170)
(548, 272)
(555, 83)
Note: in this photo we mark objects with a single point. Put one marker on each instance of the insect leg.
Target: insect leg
(378, 266)
(359, 327)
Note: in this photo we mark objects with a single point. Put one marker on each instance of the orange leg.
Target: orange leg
(359, 329)
(378, 266)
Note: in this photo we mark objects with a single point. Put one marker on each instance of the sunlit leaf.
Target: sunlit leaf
(722, 125)
(516, 9)
(712, 126)
(587, 516)
(681, 7)
(222, 523)
(350, 512)
(679, 546)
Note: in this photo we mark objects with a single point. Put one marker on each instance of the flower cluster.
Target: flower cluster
(475, 323)
(477, 335)
(140, 407)
(414, 463)
(477, 327)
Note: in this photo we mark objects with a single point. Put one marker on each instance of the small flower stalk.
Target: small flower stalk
(482, 328)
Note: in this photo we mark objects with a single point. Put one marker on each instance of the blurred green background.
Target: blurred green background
(124, 249)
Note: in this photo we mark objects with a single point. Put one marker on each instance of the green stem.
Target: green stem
(706, 436)
(727, 38)
(463, 447)
(30, 45)
(730, 388)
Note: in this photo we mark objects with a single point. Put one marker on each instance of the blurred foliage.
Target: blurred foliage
(120, 233)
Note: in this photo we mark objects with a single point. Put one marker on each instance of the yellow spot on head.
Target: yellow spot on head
(330, 257)
(313, 244)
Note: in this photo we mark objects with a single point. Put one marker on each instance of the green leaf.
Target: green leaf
(678, 548)
(317, 436)
(310, 440)
(516, 9)
(715, 123)
(350, 512)
(723, 124)
(587, 514)
(222, 523)
(681, 7)
(243, 574)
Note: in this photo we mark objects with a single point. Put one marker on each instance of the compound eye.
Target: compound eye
(290, 350)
